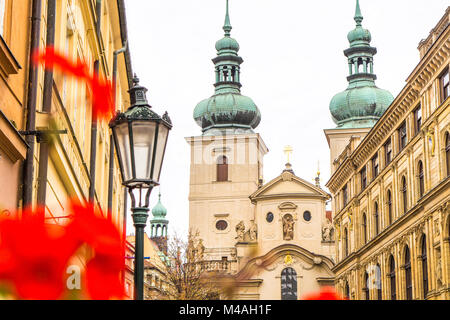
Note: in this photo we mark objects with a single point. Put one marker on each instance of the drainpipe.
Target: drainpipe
(93, 153)
(111, 140)
(31, 104)
(46, 106)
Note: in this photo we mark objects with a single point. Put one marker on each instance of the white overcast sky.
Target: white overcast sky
(293, 65)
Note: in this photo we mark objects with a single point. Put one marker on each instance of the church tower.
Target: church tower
(358, 108)
(159, 226)
(227, 159)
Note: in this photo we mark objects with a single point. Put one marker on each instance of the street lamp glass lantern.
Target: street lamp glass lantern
(140, 136)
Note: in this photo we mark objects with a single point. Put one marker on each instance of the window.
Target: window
(445, 87)
(347, 290)
(307, 216)
(364, 227)
(366, 286)
(377, 227)
(447, 152)
(402, 137)
(375, 166)
(408, 278)
(344, 195)
(404, 194)
(421, 179)
(391, 276)
(389, 203)
(388, 151)
(221, 225)
(269, 217)
(288, 284)
(378, 281)
(363, 178)
(2, 15)
(417, 119)
(222, 168)
(423, 257)
(345, 242)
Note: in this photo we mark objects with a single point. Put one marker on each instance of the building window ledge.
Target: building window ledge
(8, 63)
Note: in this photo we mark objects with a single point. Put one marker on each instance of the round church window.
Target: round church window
(269, 217)
(221, 225)
(307, 215)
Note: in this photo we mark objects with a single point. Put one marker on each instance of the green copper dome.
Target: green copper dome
(227, 111)
(159, 211)
(362, 103)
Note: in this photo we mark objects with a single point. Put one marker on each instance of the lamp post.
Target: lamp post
(140, 138)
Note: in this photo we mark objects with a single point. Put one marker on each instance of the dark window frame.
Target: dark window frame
(424, 260)
(375, 166)
(404, 191)
(408, 274)
(364, 226)
(222, 169)
(402, 136)
(366, 287)
(363, 174)
(345, 195)
(447, 152)
(421, 179)
(417, 119)
(377, 220)
(388, 151)
(379, 283)
(289, 284)
(392, 277)
(444, 88)
(389, 203)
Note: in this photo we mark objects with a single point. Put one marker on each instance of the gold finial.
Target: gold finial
(318, 168)
(288, 152)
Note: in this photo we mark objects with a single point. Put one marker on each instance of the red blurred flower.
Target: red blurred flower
(103, 278)
(103, 272)
(325, 293)
(34, 255)
(102, 91)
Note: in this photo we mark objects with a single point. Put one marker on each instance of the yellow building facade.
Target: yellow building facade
(68, 168)
(391, 189)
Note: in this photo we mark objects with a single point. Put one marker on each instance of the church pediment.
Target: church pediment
(288, 185)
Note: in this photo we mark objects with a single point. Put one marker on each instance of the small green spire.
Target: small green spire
(358, 16)
(227, 26)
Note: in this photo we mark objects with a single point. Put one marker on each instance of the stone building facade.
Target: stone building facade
(273, 240)
(391, 189)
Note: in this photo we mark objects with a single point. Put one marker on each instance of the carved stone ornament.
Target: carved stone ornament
(288, 227)
(438, 268)
(240, 231)
(287, 176)
(327, 231)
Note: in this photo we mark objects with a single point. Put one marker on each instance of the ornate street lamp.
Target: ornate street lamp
(140, 137)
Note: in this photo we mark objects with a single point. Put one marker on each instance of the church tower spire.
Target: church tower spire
(227, 111)
(159, 226)
(362, 104)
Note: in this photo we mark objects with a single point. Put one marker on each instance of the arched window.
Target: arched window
(364, 227)
(345, 242)
(347, 290)
(222, 168)
(421, 179)
(389, 203)
(447, 152)
(377, 222)
(408, 278)
(366, 286)
(288, 284)
(391, 276)
(379, 284)
(404, 194)
(424, 266)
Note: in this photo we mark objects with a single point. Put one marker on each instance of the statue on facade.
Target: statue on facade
(253, 231)
(438, 268)
(327, 231)
(240, 231)
(288, 227)
(200, 249)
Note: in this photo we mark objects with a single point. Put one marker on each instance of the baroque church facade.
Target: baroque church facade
(274, 239)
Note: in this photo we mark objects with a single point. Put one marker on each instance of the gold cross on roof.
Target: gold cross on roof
(288, 152)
